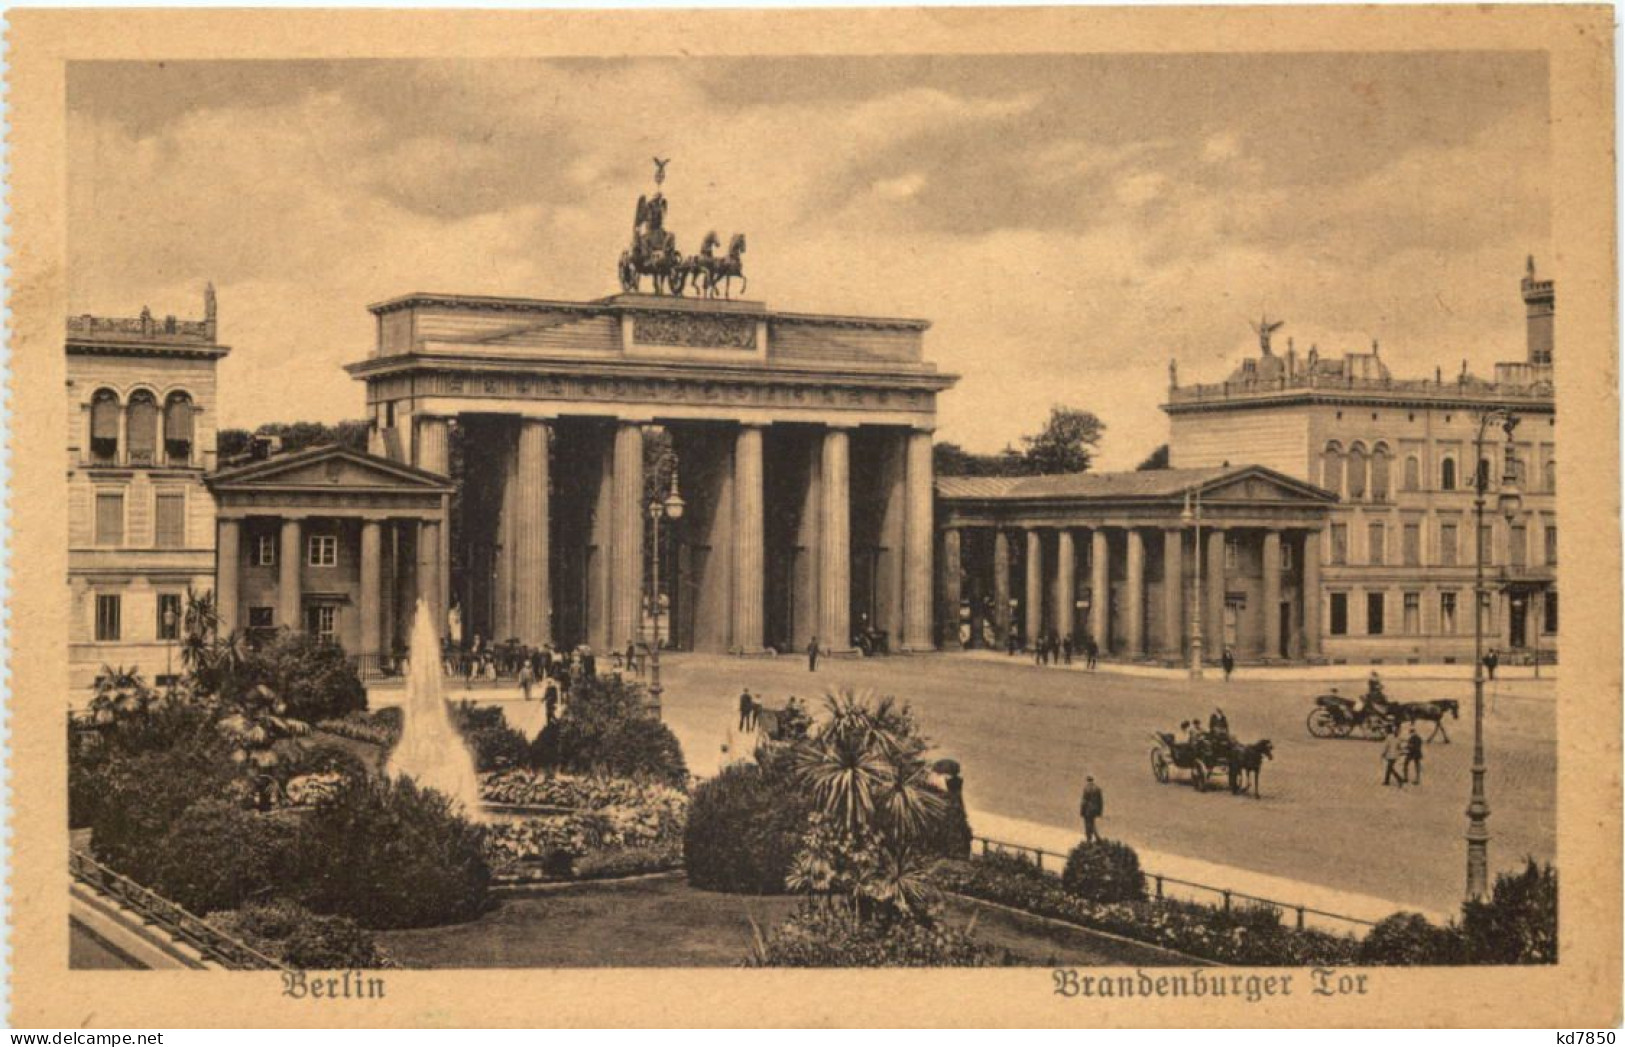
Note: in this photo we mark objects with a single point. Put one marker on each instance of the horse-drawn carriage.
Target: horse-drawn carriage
(1335, 716)
(1207, 756)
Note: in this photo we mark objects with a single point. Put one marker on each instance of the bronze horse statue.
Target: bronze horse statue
(721, 271)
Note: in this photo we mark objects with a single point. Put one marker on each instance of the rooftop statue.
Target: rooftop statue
(1265, 328)
(654, 253)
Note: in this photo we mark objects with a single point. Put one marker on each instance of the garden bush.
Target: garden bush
(289, 932)
(1407, 939)
(606, 729)
(628, 861)
(745, 828)
(144, 794)
(833, 937)
(1104, 871)
(380, 727)
(389, 854)
(312, 675)
(495, 745)
(217, 855)
(950, 835)
(322, 758)
(1518, 924)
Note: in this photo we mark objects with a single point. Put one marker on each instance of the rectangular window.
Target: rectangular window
(1340, 614)
(265, 550)
(1486, 544)
(1447, 613)
(323, 550)
(1286, 556)
(1486, 619)
(1517, 545)
(110, 518)
(1373, 613)
(1550, 625)
(1340, 543)
(1449, 547)
(169, 616)
(1413, 613)
(1232, 554)
(1551, 546)
(107, 617)
(261, 618)
(1377, 544)
(1413, 544)
(322, 620)
(170, 516)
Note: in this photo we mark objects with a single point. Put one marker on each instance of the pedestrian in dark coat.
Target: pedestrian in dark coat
(1092, 807)
(550, 699)
(1091, 653)
(1066, 649)
(1228, 661)
(1413, 757)
(812, 655)
(747, 709)
(1492, 658)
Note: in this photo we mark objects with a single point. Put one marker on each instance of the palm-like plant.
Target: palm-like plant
(120, 695)
(257, 722)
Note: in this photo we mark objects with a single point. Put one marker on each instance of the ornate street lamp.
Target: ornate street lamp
(1509, 502)
(670, 509)
(1194, 519)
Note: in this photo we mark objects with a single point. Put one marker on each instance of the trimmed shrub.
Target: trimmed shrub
(144, 794)
(1407, 939)
(495, 745)
(298, 937)
(744, 830)
(1519, 922)
(389, 854)
(628, 861)
(818, 937)
(312, 675)
(1104, 871)
(219, 856)
(606, 729)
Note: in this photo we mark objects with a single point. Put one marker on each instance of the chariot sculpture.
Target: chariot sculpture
(653, 253)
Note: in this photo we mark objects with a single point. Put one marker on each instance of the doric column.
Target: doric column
(372, 573)
(532, 580)
(626, 568)
(1213, 613)
(917, 632)
(502, 625)
(750, 567)
(951, 595)
(1066, 573)
(388, 592)
(430, 590)
(289, 598)
(1272, 593)
(433, 451)
(1033, 604)
(1311, 594)
(1173, 591)
(1001, 586)
(1100, 590)
(228, 565)
(1134, 595)
(835, 553)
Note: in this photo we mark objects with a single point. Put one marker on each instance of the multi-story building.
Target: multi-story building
(141, 434)
(1398, 561)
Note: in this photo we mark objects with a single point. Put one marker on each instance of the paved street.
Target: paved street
(1027, 735)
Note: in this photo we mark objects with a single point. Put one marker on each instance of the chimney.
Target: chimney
(1540, 299)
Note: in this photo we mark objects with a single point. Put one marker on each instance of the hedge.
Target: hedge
(745, 829)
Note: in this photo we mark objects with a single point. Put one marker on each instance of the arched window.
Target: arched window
(1447, 475)
(1413, 473)
(1485, 478)
(1550, 477)
(104, 411)
(141, 428)
(1331, 468)
(1357, 473)
(178, 429)
(1379, 474)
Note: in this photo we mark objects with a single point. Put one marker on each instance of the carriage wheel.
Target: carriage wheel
(678, 277)
(1159, 766)
(1199, 774)
(1322, 724)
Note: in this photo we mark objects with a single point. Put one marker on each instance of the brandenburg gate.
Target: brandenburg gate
(802, 445)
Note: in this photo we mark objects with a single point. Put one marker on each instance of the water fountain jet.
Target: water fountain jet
(430, 750)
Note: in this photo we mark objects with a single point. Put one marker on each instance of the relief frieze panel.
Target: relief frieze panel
(670, 390)
(695, 332)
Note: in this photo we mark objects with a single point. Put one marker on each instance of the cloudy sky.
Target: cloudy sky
(1069, 224)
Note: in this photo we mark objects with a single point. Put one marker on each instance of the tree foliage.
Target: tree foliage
(296, 436)
(1157, 459)
(1067, 443)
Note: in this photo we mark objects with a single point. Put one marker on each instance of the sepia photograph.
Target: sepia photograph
(1083, 510)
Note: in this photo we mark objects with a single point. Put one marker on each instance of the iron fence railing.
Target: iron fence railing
(174, 920)
(1160, 881)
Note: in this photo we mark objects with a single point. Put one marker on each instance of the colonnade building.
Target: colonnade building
(802, 444)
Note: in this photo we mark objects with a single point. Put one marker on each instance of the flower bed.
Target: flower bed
(381, 727)
(611, 826)
(1250, 935)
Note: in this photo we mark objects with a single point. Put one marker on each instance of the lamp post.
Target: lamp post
(671, 509)
(1510, 503)
(1194, 519)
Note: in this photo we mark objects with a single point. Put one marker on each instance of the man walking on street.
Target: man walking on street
(812, 655)
(1092, 807)
(1393, 751)
(526, 680)
(1492, 658)
(1228, 662)
(747, 706)
(1091, 652)
(1413, 757)
(1066, 648)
